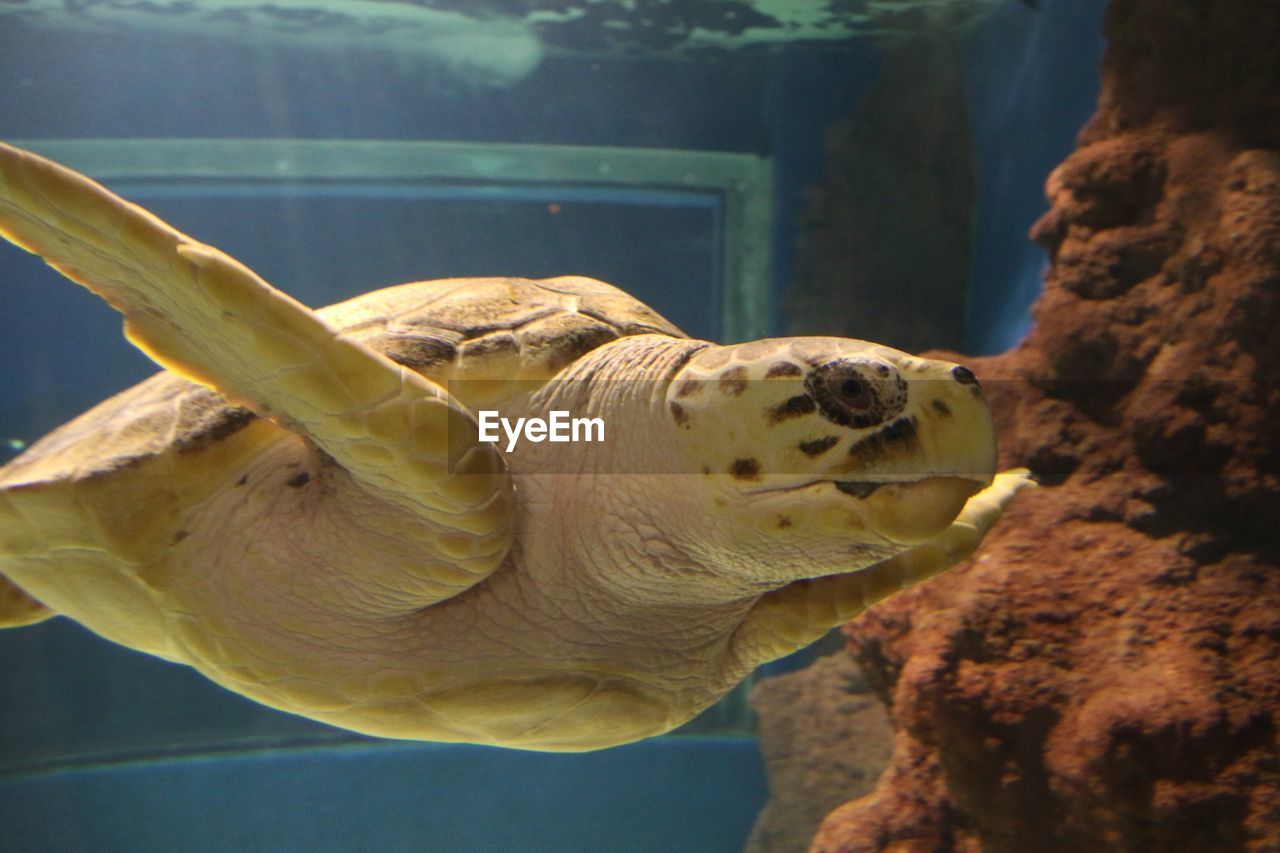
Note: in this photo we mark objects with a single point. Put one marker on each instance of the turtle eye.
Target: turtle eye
(854, 394)
(852, 391)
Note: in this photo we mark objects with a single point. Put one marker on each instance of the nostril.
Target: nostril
(964, 376)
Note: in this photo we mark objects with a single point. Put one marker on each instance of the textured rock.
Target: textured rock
(1106, 676)
(825, 738)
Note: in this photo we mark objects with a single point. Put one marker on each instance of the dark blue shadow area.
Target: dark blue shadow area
(666, 795)
(1033, 82)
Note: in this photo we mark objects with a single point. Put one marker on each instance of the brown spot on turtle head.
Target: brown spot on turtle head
(941, 408)
(745, 469)
(898, 437)
(783, 368)
(688, 388)
(733, 381)
(818, 446)
(793, 407)
(679, 415)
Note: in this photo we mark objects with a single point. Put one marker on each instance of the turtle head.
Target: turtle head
(827, 454)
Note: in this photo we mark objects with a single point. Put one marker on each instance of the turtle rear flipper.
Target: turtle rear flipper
(17, 608)
(200, 313)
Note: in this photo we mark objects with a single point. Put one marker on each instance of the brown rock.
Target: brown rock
(1106, 675)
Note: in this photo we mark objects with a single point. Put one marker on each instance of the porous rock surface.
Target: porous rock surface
(1106, 675)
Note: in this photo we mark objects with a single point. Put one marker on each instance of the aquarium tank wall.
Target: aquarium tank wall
(670, 148)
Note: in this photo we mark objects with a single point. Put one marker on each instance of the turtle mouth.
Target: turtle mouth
(911, 511)
(863, 489)
(866, 489)
(898, 511)
(857, 488)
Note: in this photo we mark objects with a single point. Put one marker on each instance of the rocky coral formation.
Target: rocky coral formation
(1106, 676)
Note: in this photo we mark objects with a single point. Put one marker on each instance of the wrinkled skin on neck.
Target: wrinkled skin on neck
(613, 514)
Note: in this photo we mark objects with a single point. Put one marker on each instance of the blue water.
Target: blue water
(694, 794)
(1029, 95)
(102, 749)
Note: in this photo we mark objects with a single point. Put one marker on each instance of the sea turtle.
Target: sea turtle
(299, 509)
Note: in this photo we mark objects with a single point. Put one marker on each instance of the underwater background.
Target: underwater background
(347, 146)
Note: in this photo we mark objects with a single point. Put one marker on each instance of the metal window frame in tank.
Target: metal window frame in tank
(743, 184)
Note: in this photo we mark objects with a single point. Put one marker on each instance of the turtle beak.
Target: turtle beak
(908, 513)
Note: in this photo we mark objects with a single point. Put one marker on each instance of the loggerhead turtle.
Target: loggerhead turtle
(299, 509)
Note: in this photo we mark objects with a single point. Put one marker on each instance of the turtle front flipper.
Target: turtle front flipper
(200, 313)
(788, 619)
